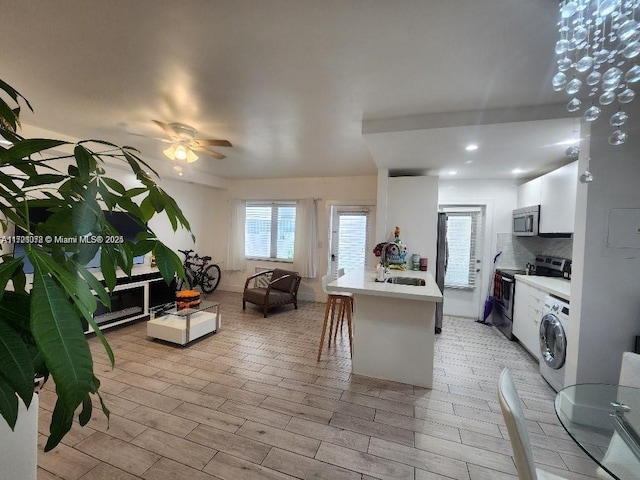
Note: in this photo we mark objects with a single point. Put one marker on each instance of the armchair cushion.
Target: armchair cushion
(287, 284)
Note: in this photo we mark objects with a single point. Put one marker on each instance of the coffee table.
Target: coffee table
(184, 326)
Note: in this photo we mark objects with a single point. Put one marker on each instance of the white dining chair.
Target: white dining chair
(618, 457)
(518, 434)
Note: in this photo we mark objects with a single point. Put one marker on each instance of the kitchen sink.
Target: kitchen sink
(419, 282)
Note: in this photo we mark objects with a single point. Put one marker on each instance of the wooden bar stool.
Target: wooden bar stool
(345, 302)
(336, 303)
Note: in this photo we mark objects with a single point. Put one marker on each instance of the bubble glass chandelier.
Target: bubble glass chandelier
(597, 50)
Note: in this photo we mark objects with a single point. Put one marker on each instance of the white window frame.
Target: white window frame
(273, 231)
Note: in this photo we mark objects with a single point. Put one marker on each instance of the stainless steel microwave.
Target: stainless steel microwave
(526, 221)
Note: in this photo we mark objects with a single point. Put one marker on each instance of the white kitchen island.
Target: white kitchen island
(393, 326)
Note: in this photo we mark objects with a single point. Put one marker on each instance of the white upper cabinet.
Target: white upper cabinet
(558, 199)
(529, 193)
(555, 192)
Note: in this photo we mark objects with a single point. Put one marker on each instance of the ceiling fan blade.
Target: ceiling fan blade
(166, 127)
(214, 143)
(165, 140)
(211, 153)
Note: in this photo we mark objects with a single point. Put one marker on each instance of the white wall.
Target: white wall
(195, 202)
(605, 305)
(412, 205)
(499, 198)
(342, 190)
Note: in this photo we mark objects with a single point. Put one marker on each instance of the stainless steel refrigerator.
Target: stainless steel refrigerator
(442, 257)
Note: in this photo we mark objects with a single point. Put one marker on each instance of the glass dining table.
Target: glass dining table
(604, 420)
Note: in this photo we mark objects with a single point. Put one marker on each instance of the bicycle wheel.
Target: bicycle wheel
(210, 278)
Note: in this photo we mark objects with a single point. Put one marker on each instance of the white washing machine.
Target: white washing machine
(553, 341)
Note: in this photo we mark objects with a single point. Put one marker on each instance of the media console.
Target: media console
(133, 297)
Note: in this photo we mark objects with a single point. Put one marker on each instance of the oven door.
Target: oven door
(500, 319)
(507, 289)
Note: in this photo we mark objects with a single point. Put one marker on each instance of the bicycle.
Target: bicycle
(198, 273)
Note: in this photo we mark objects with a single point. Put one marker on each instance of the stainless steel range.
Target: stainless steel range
(504, 285)
(503, 291)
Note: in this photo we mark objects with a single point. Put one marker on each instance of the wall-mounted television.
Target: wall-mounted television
(121, 222)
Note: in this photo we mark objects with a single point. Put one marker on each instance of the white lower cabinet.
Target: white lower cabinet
(527, 313)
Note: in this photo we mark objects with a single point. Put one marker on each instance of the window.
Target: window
(270, 230)
(350, 239)
(463, 232)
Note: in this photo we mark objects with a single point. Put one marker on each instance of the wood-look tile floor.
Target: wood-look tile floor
(251, 402)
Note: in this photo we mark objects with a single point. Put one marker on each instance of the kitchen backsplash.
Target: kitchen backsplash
(518, 251)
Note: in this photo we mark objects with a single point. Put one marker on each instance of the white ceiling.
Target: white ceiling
(291, 82)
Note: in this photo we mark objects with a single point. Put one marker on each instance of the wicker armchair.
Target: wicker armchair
(281, 290)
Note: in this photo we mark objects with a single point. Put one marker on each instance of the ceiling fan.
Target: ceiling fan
(184, 143)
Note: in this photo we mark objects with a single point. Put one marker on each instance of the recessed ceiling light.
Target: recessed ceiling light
(471, 147)
(452, 172)
(468, 162)
(517, 171)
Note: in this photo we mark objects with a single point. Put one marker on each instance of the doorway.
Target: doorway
(465, 234)
(351, 235)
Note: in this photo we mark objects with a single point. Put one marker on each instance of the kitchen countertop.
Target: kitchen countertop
(363, 282)
(555, 286)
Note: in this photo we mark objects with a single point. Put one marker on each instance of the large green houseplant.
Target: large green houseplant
(41, 330)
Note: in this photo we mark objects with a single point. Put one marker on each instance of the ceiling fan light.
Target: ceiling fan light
(181, 152)
(191, 157)
(170, 152)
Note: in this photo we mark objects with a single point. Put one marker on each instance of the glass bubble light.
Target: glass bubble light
(598, 46)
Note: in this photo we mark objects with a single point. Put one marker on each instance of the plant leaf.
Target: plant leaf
(168, 262)
(157, 200)
(107, 267)
(79, 291)
(87, 408)
(99, 289)
(7, 269)
(8, 404)
(114, 185)
(142, 247)
(28, 147)
(61, 423)
(9, 115)
(173, 206)
(15, 363)
(147, 208)
(85, 161)
(15, 310)
(129, 206)
(134, 192)
(83, 218)
(105, 410)
(58, 333)
(9, 183)
(43, 179)
(13, 93)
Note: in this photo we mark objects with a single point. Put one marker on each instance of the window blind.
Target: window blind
(270, 230)
(464, 234)
(353, 240)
